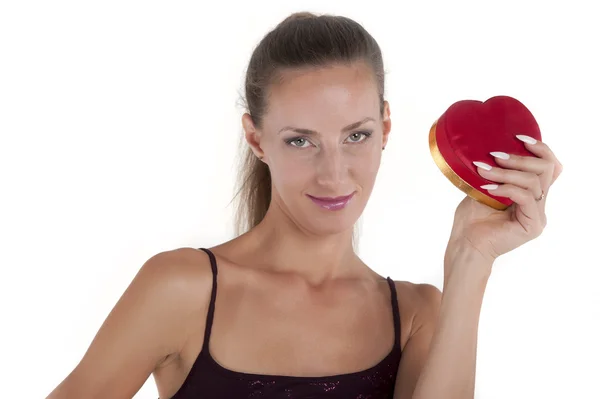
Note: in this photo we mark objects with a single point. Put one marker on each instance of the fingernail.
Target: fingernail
(501, 155)
(482, 165)
(489, 186)
(526, 139)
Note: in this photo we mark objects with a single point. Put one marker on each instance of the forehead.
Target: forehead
(323, 98)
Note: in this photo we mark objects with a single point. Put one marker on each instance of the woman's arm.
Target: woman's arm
(147, 324)
(439, 358)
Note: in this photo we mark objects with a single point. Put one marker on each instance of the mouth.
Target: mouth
(332, 203)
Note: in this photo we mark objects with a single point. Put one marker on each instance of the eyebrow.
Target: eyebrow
(344, 130)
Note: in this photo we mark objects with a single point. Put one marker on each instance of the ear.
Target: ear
(387, 123)
(252, 135)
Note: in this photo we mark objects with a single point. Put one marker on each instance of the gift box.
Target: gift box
(469, 130)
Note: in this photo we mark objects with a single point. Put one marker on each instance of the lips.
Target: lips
(332, 203)
(333, 199)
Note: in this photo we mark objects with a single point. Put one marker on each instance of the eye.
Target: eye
(358, 137)
(300, 142)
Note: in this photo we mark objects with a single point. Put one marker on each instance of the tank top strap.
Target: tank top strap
(213, 296)
(395, 312)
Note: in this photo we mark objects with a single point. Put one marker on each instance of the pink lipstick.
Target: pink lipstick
(332, 203)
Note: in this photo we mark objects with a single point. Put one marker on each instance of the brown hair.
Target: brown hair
(301, 40)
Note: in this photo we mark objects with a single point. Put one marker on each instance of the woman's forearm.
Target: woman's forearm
(449, 371)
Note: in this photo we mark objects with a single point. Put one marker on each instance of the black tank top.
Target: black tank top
(207, 379)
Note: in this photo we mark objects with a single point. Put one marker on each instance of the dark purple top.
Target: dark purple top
(207, 379)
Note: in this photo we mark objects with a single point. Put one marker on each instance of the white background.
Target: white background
(120, 124)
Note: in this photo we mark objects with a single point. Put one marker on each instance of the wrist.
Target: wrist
(464, 263)
(464, 251)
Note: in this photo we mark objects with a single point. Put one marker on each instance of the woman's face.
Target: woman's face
(322, 138)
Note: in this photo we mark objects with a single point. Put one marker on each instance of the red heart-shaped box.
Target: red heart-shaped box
(469, 130)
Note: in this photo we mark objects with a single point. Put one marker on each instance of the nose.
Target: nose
(331, 168)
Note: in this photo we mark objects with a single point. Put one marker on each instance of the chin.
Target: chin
(330, 222)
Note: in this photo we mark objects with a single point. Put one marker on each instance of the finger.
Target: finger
(531, 164)
(527, 213)
(524, 180)
(542, 150)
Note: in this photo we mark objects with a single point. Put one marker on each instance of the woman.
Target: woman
(297, 314)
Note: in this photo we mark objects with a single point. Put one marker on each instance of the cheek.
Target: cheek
(298, 171)
(290, 171)
(365, 168)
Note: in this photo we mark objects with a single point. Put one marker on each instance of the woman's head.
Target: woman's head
(316, 123)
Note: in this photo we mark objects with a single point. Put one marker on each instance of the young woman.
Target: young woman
(287, 309)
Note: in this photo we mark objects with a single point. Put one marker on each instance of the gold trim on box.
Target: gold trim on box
(457, 180)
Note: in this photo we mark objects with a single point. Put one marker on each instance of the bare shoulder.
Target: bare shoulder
(421, 302)
(178, 282)
(180, 270)
(180, 279)
(146, 326)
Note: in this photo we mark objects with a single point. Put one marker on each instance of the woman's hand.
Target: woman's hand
(526, 181)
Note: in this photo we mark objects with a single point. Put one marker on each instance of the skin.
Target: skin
(293, 287)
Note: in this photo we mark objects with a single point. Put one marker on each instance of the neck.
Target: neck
(283, 247)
